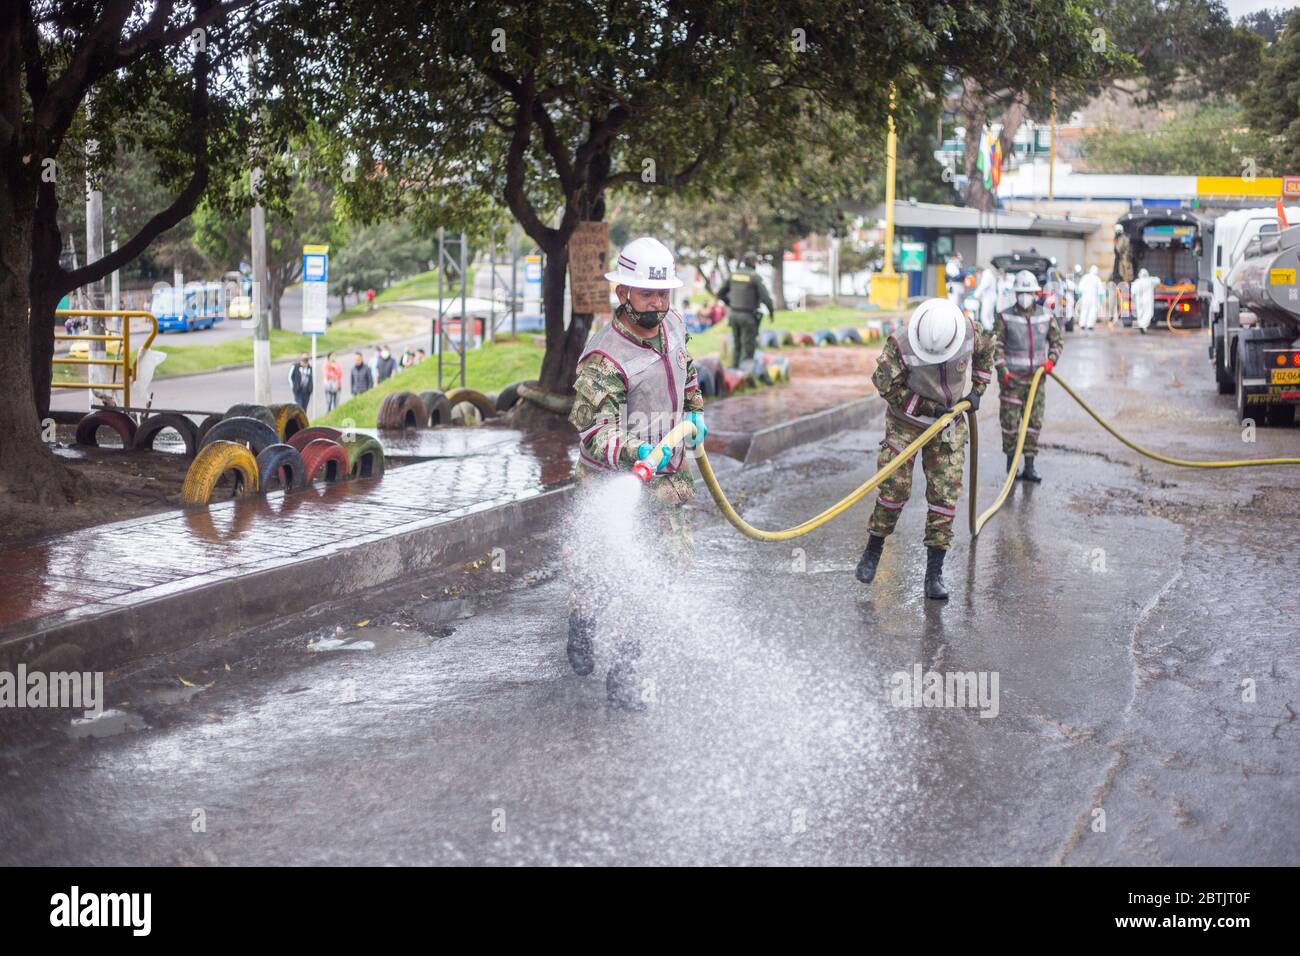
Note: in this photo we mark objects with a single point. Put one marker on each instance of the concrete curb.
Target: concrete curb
(106, 635)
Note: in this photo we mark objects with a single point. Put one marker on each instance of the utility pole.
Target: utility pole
(95, 252)
(1051, 153)
(262, 329)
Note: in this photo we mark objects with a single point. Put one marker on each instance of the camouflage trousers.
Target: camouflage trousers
(942, 461)
(744, 336)
(1012, 408)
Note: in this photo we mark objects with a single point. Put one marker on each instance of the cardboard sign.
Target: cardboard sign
(588, 263)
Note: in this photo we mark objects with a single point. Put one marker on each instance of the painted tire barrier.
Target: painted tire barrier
(151, 427)
(825, 337)
(261, 412)
(509, 396)
(289, 418)
(466, 414)
(437, 410)
(120, 422)
(206, 426)
(781, 369)
(769, 339)
(707, 387)
(849, 334)
(534, 395)
(402, 410)
(257, 435)
(283, 464)
(213, 461)
(732, 379)
(783, 336)
(480, 401)
(803, 338)
(365, 457)
(714, 365)
(326, 454)
(301, 439)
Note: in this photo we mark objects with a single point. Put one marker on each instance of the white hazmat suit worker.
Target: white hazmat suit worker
(1144, 299)
(987, 293)
(1091, 294)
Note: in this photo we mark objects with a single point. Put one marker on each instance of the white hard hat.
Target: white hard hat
(1092, 271)
(1143, 274)
(936, 330)
(1025, 282)
(645, 263)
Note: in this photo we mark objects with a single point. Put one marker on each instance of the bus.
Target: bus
(201, 305)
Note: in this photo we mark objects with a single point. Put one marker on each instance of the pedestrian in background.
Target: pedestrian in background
(300, 381)
(385, 364)
(744, 292)
(370, 300)
(333, 382)
(408, 357)
(363, 380)
(420, 356)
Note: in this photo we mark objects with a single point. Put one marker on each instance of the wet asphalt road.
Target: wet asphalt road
(1122, 604)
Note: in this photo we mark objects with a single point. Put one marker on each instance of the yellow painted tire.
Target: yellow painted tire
(365, 457)
(487, 408)
(213, 461)
(289, 418)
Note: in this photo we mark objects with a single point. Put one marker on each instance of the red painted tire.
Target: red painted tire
(151, 426)
(804, 338)
(304, 437)
(120, 422)
(401, 410)
(326, 454)
(732, 379)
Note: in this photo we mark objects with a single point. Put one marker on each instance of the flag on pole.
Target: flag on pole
(982, 160)
(995, 161)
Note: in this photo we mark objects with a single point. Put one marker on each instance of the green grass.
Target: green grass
(488, 369)
(374, 327)
(813, 320)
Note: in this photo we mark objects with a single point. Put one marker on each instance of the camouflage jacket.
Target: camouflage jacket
(1055, 346)
(890, 377)
(602, 398)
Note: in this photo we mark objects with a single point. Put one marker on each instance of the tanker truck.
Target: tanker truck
(1256, 336)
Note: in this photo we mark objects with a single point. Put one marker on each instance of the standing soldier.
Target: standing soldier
(940, 361)
(1026, 336)
(635, 382)
(743, 291)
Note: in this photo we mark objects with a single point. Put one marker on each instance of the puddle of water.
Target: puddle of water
(176, 695)
(380, 638)
(108, 724)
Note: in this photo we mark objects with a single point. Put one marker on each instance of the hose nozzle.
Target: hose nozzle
(645, 468)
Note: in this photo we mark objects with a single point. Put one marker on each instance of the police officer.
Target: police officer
(635, 382)
(940, 360)
(743, 292)
(1026, 336)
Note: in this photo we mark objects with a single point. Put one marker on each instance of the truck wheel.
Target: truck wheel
(1242, 412)
(1221, 377)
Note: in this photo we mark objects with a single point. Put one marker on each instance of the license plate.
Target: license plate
(1286, 376)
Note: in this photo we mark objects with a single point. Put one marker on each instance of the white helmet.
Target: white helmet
(1092, 270)
(936, 330)
(645, 263)
(1025, 282)
(1143, 274)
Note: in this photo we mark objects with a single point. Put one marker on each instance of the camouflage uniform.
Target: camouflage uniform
(743, 291)
(942, 459)
(1012, 395)
(598, 408)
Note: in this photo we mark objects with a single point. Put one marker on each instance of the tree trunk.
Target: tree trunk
(778, 278)
(45, 291)
(28, 470)
(277, 293)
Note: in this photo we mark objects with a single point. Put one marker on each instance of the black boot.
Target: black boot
(1010, 459)
(1029, 473)
(582, 652)
(870, 559)
(934, 587)
(621, 685)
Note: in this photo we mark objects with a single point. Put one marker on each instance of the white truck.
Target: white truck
(1250, 290)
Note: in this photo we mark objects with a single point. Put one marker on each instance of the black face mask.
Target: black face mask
(646, 320)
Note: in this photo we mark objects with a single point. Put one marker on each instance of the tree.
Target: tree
(549, 108)
(158, 74)
(1273, 102)
(1206, 140)
(376, 256)
(305, 215)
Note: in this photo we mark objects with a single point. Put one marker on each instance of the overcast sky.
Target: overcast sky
(1239, 8)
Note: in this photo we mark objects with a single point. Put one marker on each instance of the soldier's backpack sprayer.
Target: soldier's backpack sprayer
(645, 468)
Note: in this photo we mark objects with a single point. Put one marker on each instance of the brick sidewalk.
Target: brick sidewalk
(126, 563)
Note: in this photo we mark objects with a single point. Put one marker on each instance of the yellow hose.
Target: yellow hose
(685, 429)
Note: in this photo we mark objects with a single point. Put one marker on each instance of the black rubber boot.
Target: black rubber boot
(622, 687)
(1010, 459)
(1029, 474)
(581, 649)
(870, 559)
(934, 587)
